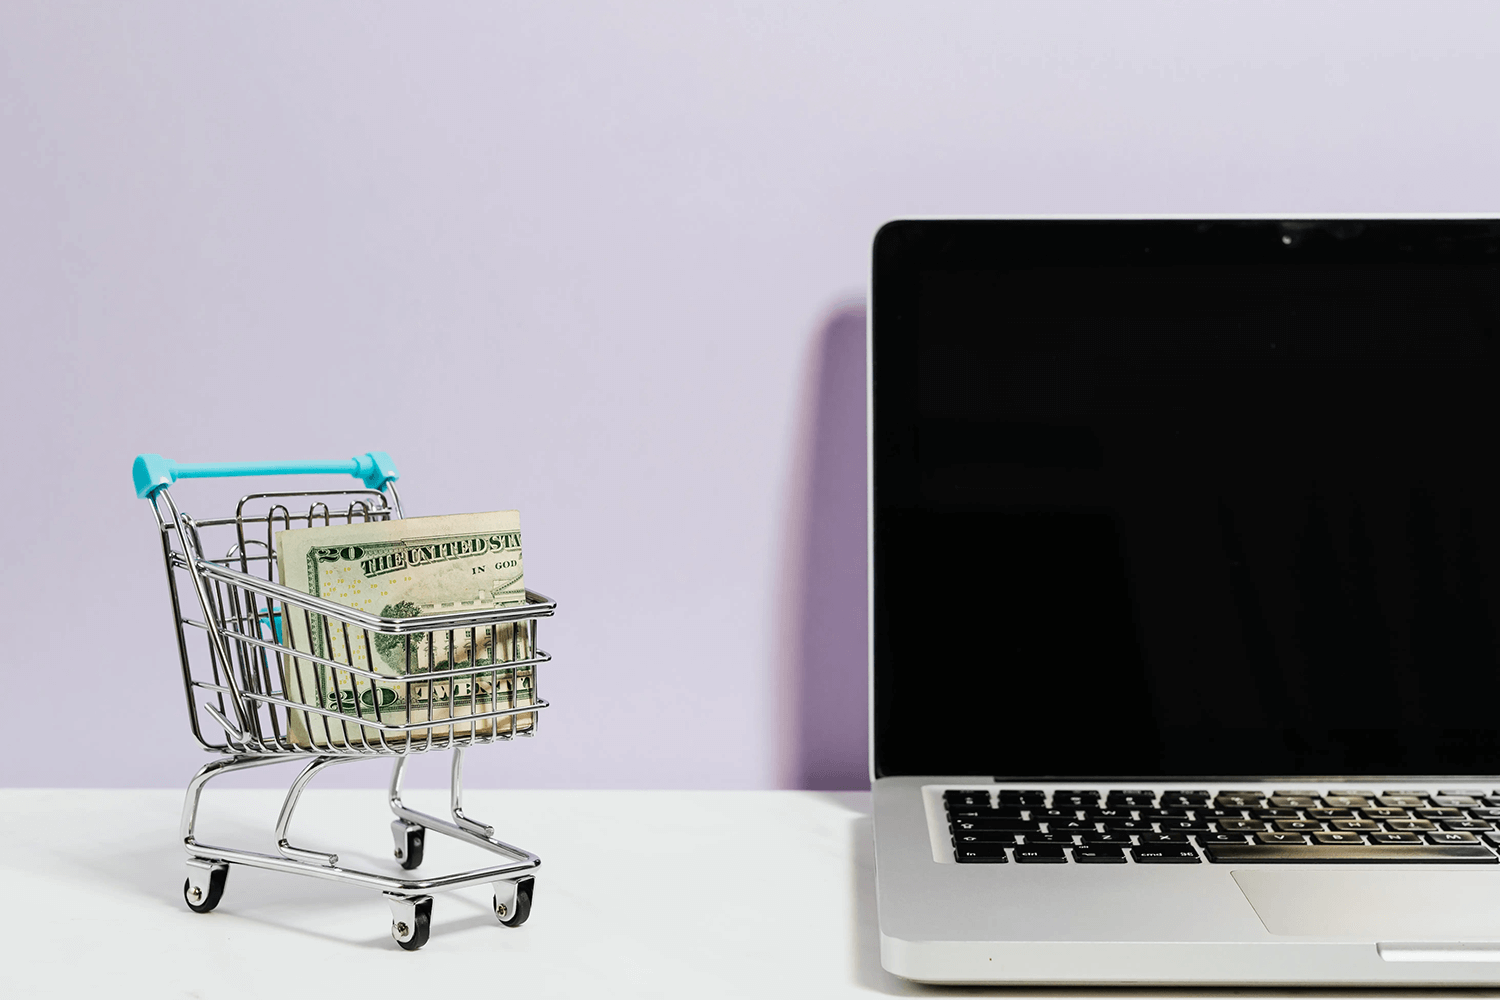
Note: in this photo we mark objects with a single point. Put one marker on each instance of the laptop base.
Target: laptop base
(1204, 923)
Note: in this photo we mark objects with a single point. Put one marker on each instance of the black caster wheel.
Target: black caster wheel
(201, 902)
(409, 853)
(413, 937)
(525, 889)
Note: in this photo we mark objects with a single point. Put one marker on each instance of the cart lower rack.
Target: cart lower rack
(275, 700)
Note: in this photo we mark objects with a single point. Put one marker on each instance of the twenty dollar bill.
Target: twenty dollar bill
(405, 568)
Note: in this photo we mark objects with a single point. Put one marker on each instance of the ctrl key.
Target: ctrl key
(980, 854)
(1043, 854)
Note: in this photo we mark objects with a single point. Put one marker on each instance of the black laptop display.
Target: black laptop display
(1168, 499)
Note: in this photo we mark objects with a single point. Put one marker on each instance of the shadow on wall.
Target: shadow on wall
(829, 684)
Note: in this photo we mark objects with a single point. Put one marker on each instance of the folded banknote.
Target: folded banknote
(405, 568)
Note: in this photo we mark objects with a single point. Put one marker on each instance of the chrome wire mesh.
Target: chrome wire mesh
(248, 677)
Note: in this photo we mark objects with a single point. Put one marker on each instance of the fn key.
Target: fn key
(1164, 854)
(980, 854)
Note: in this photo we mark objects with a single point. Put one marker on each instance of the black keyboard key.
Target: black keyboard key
(1002, 825)
(1159, 815)
(1296, 802)
(1049, 838)
(1109, 813)
(1395, 838)
(1014, 797)
(1164, 838)
(1356, 825)
(1107, 839)
(1472, 825)
(1164, 854)
(962, 797)
(1337, 838)
(983, 837)
(1061, 798)
(1300, 825)
(1180, 799)
(1452, 837)
(1185, 826)
(1241, 825)
(1440, 812)
(1380, 812)
(1411, 825)
(1269, 814)
(1130, 802)
(1221, 838)
(984, 854)
(1324, 815)
(1239, 800)
(1402, 801)
(1099, 855)
(1316, 854)
(1041, 855)
(1074, 804)
(1493, 839)
(975, 812)
(1127, 826)
(1220, 813)
(1071, 826)
(1045, 814)
(1455, 801)
(1347, 801)
(1280, 838)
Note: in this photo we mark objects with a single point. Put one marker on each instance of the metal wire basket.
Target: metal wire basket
(451, 681)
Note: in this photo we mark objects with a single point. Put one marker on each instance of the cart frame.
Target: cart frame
(248, 678)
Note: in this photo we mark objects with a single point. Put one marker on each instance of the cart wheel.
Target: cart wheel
(409, 853)
(216, 879)
(525, 889)
(416, 935)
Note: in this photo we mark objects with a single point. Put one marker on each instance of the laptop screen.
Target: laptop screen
(1184, 498)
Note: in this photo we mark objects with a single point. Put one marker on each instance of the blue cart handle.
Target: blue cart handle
(153, 473)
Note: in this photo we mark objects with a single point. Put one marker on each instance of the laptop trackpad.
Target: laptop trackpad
(1378, 905)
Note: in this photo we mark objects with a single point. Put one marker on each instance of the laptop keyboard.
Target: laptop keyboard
(1232, 825)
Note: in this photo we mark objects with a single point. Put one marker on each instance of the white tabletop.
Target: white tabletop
(639, 894)
(659, 894)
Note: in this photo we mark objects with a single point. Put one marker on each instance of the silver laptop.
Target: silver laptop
(1185, 600)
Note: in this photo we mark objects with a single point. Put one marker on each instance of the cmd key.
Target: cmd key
(1164, 854)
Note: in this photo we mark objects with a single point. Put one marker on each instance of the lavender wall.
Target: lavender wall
(631, 231)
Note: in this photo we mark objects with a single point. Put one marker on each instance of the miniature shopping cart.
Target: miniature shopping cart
(247, 678)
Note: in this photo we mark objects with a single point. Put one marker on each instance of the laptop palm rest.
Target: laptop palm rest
(1399, 909)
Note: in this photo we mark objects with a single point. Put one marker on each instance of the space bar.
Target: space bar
(1315, 854)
